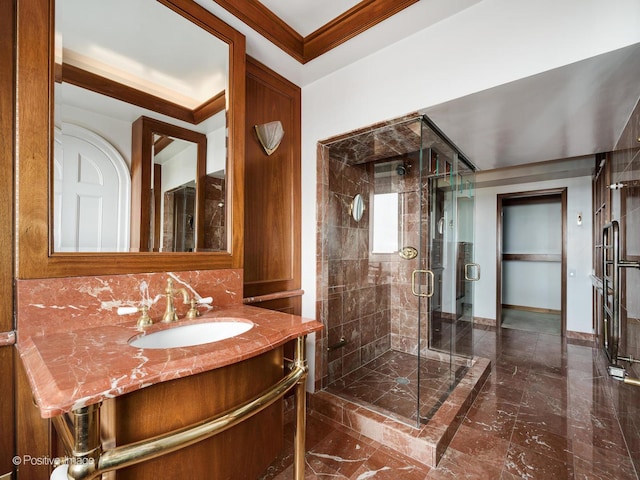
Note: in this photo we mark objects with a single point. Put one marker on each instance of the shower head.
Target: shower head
(403, 168)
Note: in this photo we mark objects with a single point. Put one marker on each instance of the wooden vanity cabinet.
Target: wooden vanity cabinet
(242, 452)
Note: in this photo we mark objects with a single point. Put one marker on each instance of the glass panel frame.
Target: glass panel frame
(446, 231)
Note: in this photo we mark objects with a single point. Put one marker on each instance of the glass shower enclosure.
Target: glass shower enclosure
(400, 273)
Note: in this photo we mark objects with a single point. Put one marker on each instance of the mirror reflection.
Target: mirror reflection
(173, 190)
(119, 188)
(178, 199)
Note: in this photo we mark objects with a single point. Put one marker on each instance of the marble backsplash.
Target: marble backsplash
(53, 305)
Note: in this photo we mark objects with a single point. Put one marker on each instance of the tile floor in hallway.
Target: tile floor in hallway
(519, 319)
(544, 413)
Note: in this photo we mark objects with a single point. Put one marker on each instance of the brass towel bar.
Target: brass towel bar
(88, 461)
(611, 265)
(273, 296)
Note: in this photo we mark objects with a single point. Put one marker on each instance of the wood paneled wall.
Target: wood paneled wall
(7, 97)
(272, 191)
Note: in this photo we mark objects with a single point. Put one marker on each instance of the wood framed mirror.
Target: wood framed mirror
(36, 73)
(178, 196)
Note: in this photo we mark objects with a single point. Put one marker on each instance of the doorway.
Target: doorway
(531, 266)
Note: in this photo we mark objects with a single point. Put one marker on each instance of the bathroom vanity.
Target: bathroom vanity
(73, 347)
(104, 395)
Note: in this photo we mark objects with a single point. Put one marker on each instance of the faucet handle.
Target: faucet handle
(127, 310)
(194, 302)
(144, 320)
(193, 311)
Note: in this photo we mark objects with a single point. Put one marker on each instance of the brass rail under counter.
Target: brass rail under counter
(88, 461)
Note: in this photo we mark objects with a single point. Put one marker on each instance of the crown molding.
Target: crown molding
(354, 21)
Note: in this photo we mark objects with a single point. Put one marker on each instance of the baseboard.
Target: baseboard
(489, 322)
(531, 309)
(589, 337)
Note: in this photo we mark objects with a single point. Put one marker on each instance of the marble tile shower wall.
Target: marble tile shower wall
(375, 142)
(626, 209)
(357, 307)
(364, 297)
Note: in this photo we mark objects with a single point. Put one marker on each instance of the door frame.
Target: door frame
(533, 194)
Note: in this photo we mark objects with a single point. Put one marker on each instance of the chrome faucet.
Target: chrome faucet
(170, 314)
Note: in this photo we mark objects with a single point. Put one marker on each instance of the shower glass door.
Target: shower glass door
(446, 263)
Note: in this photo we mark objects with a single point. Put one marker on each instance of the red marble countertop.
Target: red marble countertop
(69, 370)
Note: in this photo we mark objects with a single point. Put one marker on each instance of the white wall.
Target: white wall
(216, 150)
(491, 43)
(532, 284)
(532, 228)
(180, 168)
(579, 243)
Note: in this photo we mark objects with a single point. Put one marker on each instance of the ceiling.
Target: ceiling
(576, 110)
(307, 16)
(579, 109)
(97, 38)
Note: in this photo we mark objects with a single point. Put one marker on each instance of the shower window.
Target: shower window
(385, 223)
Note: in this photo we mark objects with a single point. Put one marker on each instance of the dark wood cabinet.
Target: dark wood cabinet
(242, 452)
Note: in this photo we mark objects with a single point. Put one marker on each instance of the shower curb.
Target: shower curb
(425, 444)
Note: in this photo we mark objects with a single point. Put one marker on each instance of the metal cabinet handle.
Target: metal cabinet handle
(431, 282)
(466, 272)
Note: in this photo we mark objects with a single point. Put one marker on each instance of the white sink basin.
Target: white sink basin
(194, 334)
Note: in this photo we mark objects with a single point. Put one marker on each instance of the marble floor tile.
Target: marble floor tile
(387, 464)
(497, 422)
(461, 466)
(546, 411)
(484, 447)
(339, 453)
(534, 438)
(524, 463)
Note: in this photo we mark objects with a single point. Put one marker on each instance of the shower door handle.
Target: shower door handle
(429, 294)
(469, 278)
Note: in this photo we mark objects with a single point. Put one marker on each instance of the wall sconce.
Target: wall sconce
(270, 135)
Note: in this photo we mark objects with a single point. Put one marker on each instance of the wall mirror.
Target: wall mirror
(178, 201)
(357, 207)
(152, 86)
(114, 69)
